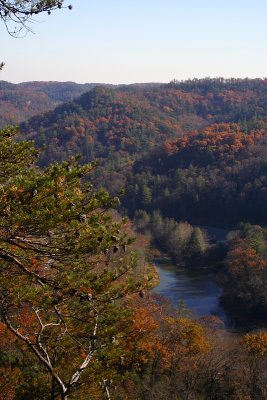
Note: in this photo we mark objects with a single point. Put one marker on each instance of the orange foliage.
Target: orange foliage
(221, 139)
(9, 379)
(6, 337)
(244, 256)
(255, 343)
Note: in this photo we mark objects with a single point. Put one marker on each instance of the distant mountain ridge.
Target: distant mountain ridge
(131, 119)
(18, 102)
(21, 101)
(104, 122)
(196, 150)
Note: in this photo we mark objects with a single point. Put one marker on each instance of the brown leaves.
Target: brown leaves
(255, 343)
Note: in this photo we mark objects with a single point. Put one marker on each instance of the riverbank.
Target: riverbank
(197, 288)
(152, 275)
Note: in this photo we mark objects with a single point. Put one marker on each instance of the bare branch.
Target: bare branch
(105, 382)
(76, 376)
(34, 348)
(20, 13)
(14, 260)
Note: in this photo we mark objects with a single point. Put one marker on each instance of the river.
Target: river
(196, 288)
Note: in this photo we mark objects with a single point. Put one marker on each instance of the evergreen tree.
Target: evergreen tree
(146, 195)
(63, 271)
(198, 243)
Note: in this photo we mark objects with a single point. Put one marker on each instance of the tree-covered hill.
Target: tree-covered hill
(195, 150)
(133, 119)
(19, 102)
(102, 123)
(215, 176)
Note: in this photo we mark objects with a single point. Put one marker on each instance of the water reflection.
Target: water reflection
(196, 287)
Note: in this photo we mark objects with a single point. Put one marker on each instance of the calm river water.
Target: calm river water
(197, 287)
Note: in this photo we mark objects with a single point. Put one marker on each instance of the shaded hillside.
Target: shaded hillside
(102, 123)
(133, 119)
(215, 176)
(196, 150)
(19, 102)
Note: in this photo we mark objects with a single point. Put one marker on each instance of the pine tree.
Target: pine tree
(64, 270)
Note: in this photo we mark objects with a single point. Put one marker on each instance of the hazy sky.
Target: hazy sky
(126, 41)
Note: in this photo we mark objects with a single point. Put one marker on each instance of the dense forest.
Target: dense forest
(196, 150)
(213, 176)
(78, 319)
(130, 120)
(21, 101)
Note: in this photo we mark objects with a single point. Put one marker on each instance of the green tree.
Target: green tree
(156, 224)
(145, 195)
(64, 271)
(197, 244)
(178, 239)
(255, 236)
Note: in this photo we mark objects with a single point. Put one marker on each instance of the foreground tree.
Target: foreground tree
(17, 15)
(64, 271)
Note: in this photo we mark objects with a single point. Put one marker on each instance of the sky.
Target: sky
(128, 41)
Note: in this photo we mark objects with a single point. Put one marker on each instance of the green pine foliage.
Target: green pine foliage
(64, 272)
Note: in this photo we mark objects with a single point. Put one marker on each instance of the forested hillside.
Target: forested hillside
(196, 149)
(102, 123)
(19, 102)
(215, 176)
(133, 119)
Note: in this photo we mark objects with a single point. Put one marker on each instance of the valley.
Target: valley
(184, 165)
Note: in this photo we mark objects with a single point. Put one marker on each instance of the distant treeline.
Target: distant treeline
(185, 243)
